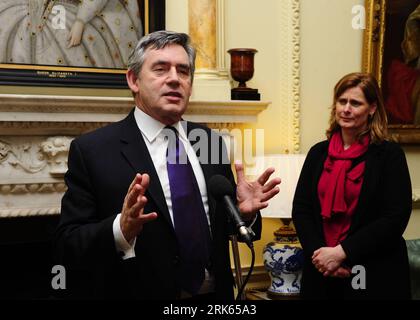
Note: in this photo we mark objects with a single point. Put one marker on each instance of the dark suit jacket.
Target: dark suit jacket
(375, 237)
(102, 164)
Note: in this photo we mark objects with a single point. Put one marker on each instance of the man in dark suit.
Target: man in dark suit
(128, 227)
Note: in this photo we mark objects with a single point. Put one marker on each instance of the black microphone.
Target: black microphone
(221, 188)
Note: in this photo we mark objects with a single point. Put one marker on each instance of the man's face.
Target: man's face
(164, 84)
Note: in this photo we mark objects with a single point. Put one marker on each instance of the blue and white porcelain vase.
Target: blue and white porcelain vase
(283, 260)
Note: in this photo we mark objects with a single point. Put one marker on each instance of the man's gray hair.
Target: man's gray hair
(158, 40)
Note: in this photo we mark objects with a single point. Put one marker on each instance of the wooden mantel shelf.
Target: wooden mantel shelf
(38, 109)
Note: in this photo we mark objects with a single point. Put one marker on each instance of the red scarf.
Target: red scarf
(339, 187)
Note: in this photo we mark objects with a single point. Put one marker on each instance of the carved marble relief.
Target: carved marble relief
(56, 151)
(23, 156)
(33, 156)
(31, 174)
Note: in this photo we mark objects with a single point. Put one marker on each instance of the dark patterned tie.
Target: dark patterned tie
(190, 220)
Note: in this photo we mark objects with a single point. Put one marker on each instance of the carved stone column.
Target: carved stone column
(206, 27)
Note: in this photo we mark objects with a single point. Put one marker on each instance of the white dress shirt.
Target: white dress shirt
(157, 145)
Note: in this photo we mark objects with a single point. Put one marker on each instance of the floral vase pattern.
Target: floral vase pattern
(283, 259)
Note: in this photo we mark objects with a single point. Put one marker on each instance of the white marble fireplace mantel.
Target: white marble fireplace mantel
(36, 131)
(78, 114)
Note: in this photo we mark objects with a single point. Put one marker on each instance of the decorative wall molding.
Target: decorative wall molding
(64, 104)
(221, 126)
(26, 212)
(31, 174)
(22, 156)
(225, 111)
(220, 38)
(13, 105)
(52, 128)
(56, 150)
(22, 188)
(288, 131)
(33, 155)
(54, 115)
(296, 75)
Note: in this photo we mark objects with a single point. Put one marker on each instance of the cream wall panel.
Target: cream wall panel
(330, 48)
(177, 15)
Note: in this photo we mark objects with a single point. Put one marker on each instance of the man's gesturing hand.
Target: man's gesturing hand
(132, 215)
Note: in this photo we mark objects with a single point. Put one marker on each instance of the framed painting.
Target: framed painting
(391, 51)
(72, 42)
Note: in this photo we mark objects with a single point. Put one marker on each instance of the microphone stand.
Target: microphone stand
(237, 263)
(240, 284)
(241, 294)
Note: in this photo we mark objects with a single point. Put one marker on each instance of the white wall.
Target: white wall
(330, 48)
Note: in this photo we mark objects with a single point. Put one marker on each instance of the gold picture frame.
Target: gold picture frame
(381, 48)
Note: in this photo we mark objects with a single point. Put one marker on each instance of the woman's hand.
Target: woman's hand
(75, 35)
(329, 261)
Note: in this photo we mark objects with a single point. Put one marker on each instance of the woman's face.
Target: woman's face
(352, 110)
